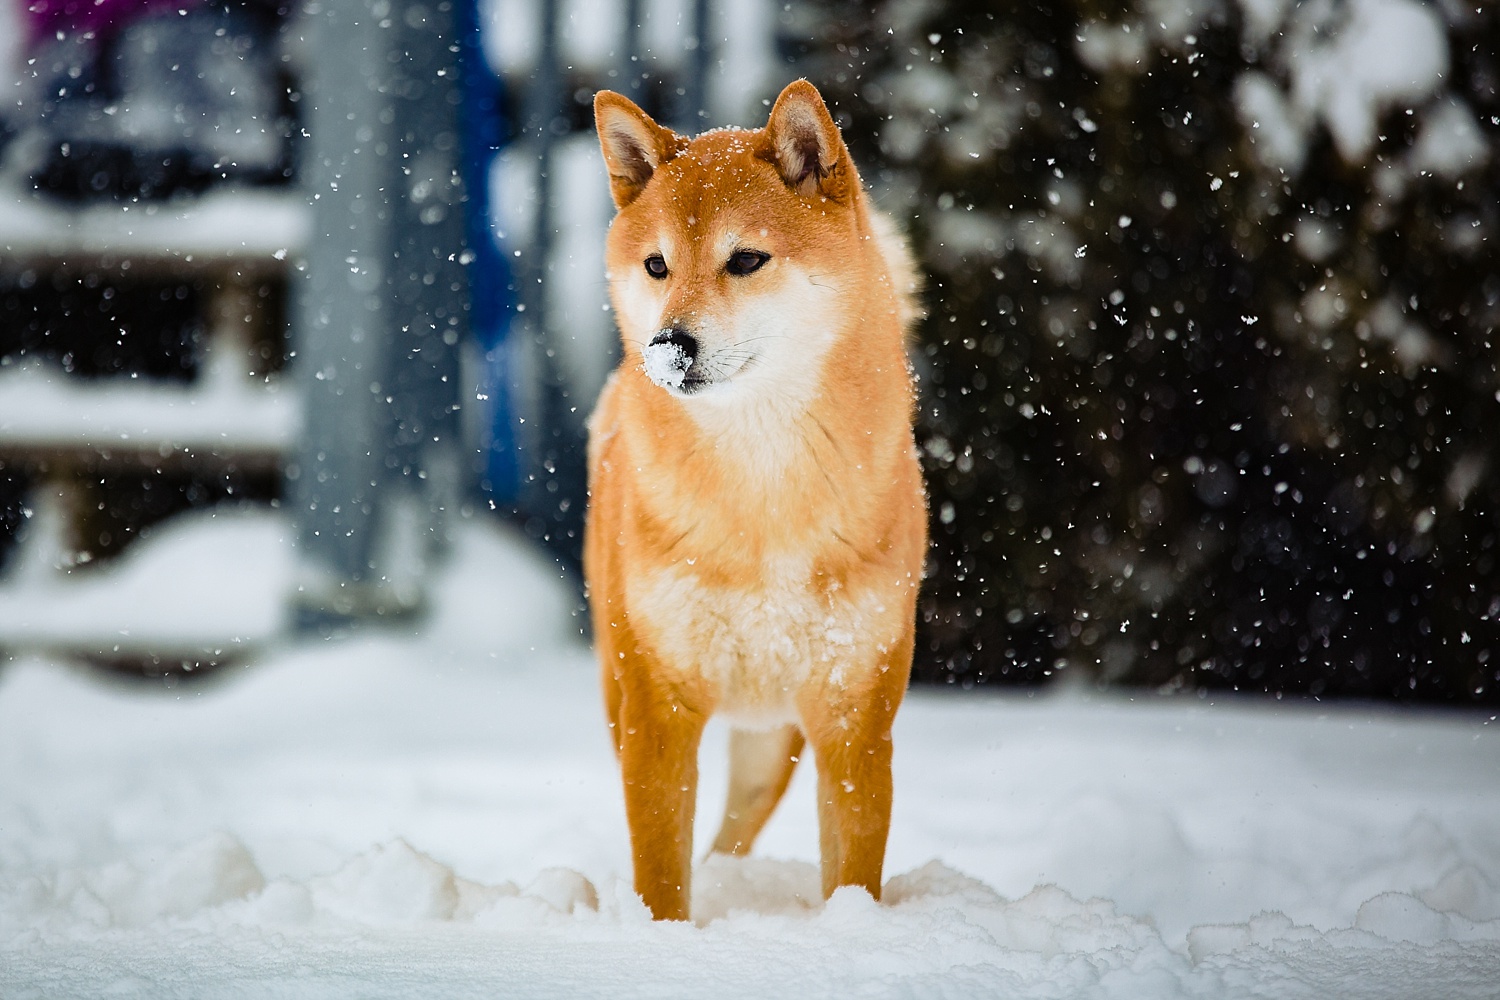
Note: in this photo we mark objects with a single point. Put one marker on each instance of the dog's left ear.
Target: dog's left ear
(805, 146)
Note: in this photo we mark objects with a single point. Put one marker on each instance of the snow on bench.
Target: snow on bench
(269, 225)
(44, 410)
(203, 587)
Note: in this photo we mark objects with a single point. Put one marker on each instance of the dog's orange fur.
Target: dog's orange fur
(755, 549)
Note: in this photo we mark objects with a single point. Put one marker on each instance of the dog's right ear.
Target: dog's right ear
(804, 144)
(634, 145)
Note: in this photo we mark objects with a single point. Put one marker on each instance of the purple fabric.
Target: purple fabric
(71, 17)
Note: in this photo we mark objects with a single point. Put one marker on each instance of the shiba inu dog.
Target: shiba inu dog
(757, 522)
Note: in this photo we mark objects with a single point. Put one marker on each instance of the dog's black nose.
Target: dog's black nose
(680, 339)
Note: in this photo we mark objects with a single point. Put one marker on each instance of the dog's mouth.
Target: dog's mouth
(675, 363)
(691, 385)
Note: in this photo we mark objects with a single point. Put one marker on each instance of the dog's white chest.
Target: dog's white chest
(757, 647)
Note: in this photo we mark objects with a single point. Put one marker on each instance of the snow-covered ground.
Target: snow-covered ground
(438, 815)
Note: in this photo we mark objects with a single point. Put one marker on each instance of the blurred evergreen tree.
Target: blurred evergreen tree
(1209, 370)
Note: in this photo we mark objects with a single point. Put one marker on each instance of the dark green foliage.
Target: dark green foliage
(1192, 417)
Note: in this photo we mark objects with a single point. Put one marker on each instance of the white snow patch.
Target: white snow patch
(198, 584)
(222, 225)
(359, 818)
(1175, 23)
(1129, 46)
(199, 876)
(960, 238)
(391, 883)
(1106, 47)
(1449, 144)
(924, 90)
(1317, 239)
(1263, 18)
(42, 407)
(1398, 916)
(1468, 892)
(1350, 64)
(1413, 346)
(1276, 129)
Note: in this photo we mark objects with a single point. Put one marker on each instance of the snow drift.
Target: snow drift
(439, 814)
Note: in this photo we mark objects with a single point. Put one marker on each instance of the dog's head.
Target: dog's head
(732, 258)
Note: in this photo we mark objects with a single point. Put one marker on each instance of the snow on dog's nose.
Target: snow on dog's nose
(669, 356)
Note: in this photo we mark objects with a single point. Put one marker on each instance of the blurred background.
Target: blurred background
(1209, 380)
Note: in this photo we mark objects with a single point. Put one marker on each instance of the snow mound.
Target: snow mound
(724, 886)
(216, 580)
(203, 875)
(495, 594)
(1386, 919)
(1396, 916)
(937, 931)
(396, 885)
(439, 814)
(200, 582)
(393, 883)
(215, 882)
(1466, 891)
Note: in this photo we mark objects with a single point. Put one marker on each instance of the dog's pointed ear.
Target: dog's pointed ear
(805, 146)
(634, 145)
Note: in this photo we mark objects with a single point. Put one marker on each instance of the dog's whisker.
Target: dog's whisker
(764, 336)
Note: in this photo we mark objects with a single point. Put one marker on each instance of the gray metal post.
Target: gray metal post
(629, 68)
(554, 487)
(692, 111)
(380, 310)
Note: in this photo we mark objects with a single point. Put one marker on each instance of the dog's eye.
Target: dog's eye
(656, 266)
(746, 261)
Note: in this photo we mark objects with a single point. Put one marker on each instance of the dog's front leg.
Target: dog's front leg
(659, 733)
(850, 734)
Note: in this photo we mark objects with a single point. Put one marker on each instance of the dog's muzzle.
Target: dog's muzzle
(669, 356)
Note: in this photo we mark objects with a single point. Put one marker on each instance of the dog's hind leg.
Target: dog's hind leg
(760, 766)
(612, 698)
